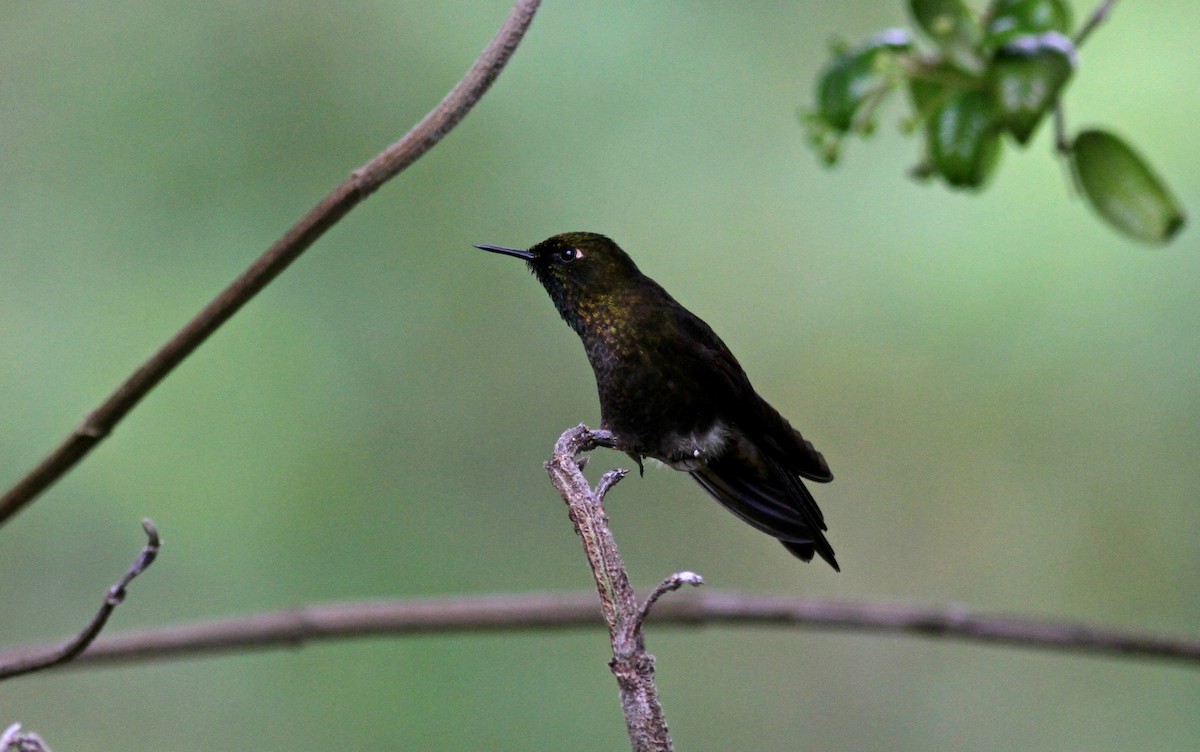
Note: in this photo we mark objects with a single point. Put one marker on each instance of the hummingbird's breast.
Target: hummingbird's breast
(649, 396)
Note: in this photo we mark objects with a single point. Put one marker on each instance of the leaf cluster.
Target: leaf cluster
(983, 79)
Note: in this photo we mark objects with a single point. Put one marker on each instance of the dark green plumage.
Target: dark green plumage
(671, 390)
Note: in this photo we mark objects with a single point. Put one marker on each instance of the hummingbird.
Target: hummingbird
(670, 390)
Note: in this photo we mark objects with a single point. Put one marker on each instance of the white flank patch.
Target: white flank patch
(694, 449)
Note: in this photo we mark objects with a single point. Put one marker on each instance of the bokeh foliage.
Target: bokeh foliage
(1005, 390)
(996, 72)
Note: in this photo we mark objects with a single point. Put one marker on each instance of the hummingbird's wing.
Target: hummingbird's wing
(758, 477)
(724, 382)
(792, 450)
(770, 498)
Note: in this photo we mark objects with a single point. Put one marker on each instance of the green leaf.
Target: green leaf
(964, 139)
(949, 23)
(1013, 18)
(1025, 79)
(853, 77)
(1123, 189)
(931, 84)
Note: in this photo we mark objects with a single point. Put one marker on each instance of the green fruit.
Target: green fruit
(1123, 189)
(1025, 79)
(964, 139)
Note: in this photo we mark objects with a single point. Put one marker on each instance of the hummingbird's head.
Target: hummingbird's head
(580, 270)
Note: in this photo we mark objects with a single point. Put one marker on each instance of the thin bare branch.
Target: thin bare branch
(607, 481)
(361, 183)
(1062, 144)
(505, 614)
(1099, 16)
(41, 660)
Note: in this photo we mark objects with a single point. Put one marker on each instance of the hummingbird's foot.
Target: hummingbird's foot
(637, 459)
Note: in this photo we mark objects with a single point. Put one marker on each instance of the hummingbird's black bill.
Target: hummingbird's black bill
(527, 255)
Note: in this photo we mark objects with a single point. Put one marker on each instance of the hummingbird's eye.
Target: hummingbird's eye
(568, 255)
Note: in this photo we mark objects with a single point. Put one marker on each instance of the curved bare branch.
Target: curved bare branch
(40, 660)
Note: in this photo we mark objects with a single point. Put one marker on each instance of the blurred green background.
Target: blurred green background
(1006, 390)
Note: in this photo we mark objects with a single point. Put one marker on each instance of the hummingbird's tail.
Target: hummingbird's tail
(772, 500)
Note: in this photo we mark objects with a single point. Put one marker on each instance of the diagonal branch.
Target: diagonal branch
(1099, 16)
(361, 183)
(43, 659)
